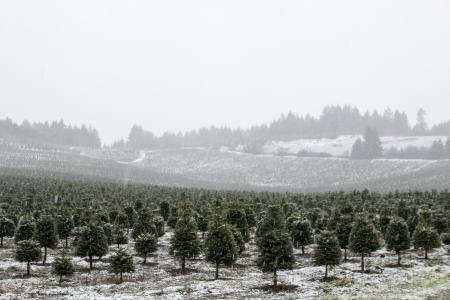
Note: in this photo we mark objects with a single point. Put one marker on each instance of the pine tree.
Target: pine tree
(236, 216)
(28, 251)
(119, 236)
(274, 244)
(159, 224)
(91, 242)
(372, 143)
(184, 243)
(301, 233)
(45, 234)
(146, 243)
(164, 209)
(363, 238)
(7, 228)
(328, 251)
(220, 246)
(426, 238)
(62, 266)
(240, 243)
(24, 230)
(343, 229)
(173, 217)
(120, 263)
(64, 227)
(359, 150)
(397, 237)
(144, 224)
(108, 230)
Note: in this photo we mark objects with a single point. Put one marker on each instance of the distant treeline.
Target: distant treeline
(49, 133)
(334, 121)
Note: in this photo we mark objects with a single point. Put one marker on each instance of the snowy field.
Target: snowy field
(159, 279)
(342, 145)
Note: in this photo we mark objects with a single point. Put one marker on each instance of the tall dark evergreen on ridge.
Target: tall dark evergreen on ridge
(370, 147)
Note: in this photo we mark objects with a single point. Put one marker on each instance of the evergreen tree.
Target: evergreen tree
(159, 224)
(440, 222)
(28, 251)
(236, 216)
(119, 236)
(7, 228)
(184, 243)
(301, 233)
(173, 218)
(144, 224)
(45, 234)
(62, 266)
(164, 209)
(120, 263)
(64, 226)
(363, 238)
(397, 237)
(24, 230)
(372, 143)
(426, 238)
(274, 244)
(359, 150)
(108, 230)
(220, 246)
(343, 229)
(240, 243)
(328, 251)
(146, 243)
(91, 242)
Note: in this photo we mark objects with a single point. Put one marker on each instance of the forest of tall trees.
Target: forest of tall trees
(50, 133)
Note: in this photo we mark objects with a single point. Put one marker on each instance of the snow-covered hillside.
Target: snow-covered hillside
(342, 145)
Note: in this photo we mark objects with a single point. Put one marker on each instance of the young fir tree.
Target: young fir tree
(108, 230)
(274, 244)
(120, 263)
(185, 243)
(119, 236)
(64, 227)
(301, 233)
(426, 238)
(91, 242)
(146, 243)
(121, 220)
(236, 217)
(397, 237)
(62, 266)
(343, 229)
(220, 246)
(24, 230)
(363, 238)
(328, 251)
(28, 251)
(173, 218)
(7, 228)
(159, 224)
(164, 209)
(240, 243)
(45, 234)
(144, 224)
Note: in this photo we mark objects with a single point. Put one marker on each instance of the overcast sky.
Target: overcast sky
(178, 65)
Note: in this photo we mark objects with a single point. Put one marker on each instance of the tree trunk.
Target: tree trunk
(345, 254)
(28, 268)
(217, 271)
(45, 256)
(90, 262)
(121, 278)
(326, 272)
(145, 258)
(183, 264)
(426, 254)
(275, 278)
(60, 279)
(398, 258)
(67, 242)
(1, 241)
(362, 262)
(303, 250)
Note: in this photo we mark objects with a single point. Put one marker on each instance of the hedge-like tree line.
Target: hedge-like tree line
(86, 217)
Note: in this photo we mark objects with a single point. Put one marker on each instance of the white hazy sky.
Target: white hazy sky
(177, 65)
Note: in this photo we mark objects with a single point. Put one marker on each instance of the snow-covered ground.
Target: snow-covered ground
(417, 279)
(342, 145)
